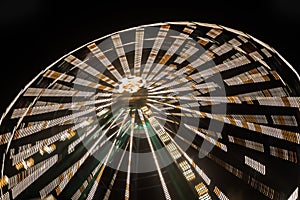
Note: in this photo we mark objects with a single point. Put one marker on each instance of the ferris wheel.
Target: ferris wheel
(175, 110)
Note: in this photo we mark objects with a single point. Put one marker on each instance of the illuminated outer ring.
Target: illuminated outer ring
(214, 115)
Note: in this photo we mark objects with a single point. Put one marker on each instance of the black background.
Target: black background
(34, 34)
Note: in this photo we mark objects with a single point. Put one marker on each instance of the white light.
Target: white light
(130, 84)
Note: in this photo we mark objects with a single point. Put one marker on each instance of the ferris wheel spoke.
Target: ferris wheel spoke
(96, 183)
(127, 189)
(290, 136)
(47, 145)
(207, 138)
(23, 132)
(63, 179)
(104, 60)
(200, 172)
(52, 107)
(223, 49)
(88, 69)
(170, 74)
(183, 161)
(257, 75)
(90, 84)
(95, 147)
(121, 53)
(139, 37)
(154, 71)
(235, 171)
(112, 182)
(194, 112)
(22, 177)
(210, 133)
(261, 100)
(155, 107)
(22, 185)
(203, 87)
(171, 51)
(189, 50)
(257, 119)
(104, 165)
(162, 181)
(246, 143)
(99, 172)
(160, 112)
(40, 92)
(214, 134)
(279, 101)
(204, 57)
(79, 81)
(285, 120)
(60, 183)
(154, 51)
(115, 135)
(81, 138)
(230, 65)
(163, 84)
(182, 75)
(158, 79)
(81, 189)
(167, 120)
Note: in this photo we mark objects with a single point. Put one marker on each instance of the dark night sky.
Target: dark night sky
(35, 33)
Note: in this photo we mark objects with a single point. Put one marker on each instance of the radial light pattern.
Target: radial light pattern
(178, 110)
